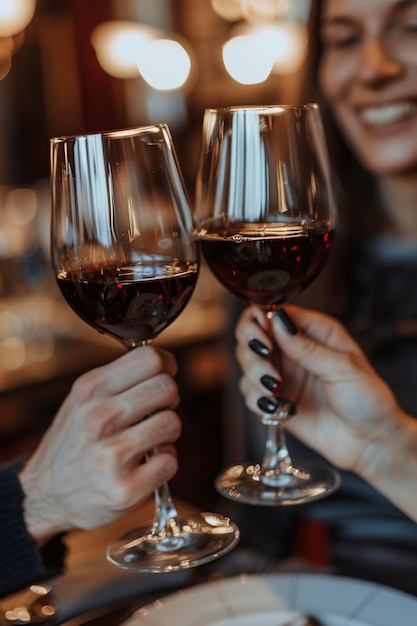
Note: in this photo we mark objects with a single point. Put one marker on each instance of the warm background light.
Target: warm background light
(119, 45)
(5, 62)
(286, 43)
(268, 11)
(165, 64)
(270, 37)
(246, 61)
(127, 49)
(15, 15)
(230, 10)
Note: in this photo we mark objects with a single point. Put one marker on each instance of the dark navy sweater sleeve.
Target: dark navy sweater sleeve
(22, 563)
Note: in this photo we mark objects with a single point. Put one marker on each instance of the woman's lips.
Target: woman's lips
(387, 114)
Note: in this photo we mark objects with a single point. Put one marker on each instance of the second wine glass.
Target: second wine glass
(125, 259)
(266, 221)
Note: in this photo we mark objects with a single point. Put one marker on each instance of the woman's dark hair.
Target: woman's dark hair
(358, 206)
(353, 178)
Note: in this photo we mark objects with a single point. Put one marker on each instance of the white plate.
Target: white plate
(275, 599)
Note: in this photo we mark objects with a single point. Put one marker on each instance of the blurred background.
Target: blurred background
(76, 66)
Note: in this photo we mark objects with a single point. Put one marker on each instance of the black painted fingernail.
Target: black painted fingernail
(279, 405)
(259, 348)
(286, 321)
(267, 405)
(272, 384)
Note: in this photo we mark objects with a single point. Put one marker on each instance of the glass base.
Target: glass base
(196, 540)
(295, 485)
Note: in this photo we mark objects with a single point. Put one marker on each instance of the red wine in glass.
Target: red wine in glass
(266, 218)
(124, 254)
(267, 268)
(133, 304)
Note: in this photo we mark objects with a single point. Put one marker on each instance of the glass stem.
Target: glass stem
(164, 524)
(165, 512)
(276, 457)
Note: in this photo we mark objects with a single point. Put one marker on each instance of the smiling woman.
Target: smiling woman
(364, 75)
(368, 77)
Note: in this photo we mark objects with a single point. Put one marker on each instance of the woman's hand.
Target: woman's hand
(88, 469)
(345, 411)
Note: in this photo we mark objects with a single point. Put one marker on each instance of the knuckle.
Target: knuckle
(309, 345)
(122, 495)
(166, 470)
(112, 456)
(173, 425)
(153, 359)
(166, 426)
(86, 385)
(354, 361)
(102, 418)
(243, 385)
(168, 388)
(238, 354)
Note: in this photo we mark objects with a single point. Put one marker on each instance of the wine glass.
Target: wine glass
(126, 261)
(265, 217)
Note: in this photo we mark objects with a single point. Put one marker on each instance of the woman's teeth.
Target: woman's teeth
(388, 114)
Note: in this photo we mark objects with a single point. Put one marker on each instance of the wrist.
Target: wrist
(39, 512)
(390, 464)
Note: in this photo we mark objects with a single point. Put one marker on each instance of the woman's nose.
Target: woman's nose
(376, 63)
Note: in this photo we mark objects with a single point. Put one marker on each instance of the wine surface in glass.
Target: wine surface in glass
(264, 263)
(133, 303)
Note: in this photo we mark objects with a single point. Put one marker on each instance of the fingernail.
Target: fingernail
(272, 384)
(280, 405)
(286, 321)
(258, 347)
(267, 405)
